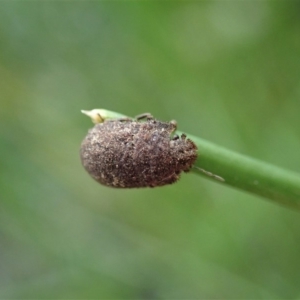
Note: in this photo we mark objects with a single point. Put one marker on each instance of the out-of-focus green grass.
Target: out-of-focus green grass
(226, 71)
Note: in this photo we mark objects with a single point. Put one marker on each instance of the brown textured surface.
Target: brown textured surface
(127, 154)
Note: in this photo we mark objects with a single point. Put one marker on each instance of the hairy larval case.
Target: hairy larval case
(131, 153)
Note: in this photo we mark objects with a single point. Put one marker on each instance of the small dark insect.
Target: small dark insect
(140, 152)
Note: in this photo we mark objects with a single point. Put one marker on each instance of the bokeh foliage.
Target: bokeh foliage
(227, 71)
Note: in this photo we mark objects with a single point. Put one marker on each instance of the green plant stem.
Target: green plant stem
(248, 174)
(243, 172)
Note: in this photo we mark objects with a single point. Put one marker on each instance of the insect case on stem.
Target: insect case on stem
(130, 153)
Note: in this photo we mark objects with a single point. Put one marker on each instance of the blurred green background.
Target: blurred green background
(227, 71)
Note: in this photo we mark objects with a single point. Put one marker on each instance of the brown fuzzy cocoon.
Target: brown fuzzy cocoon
(131, 153)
